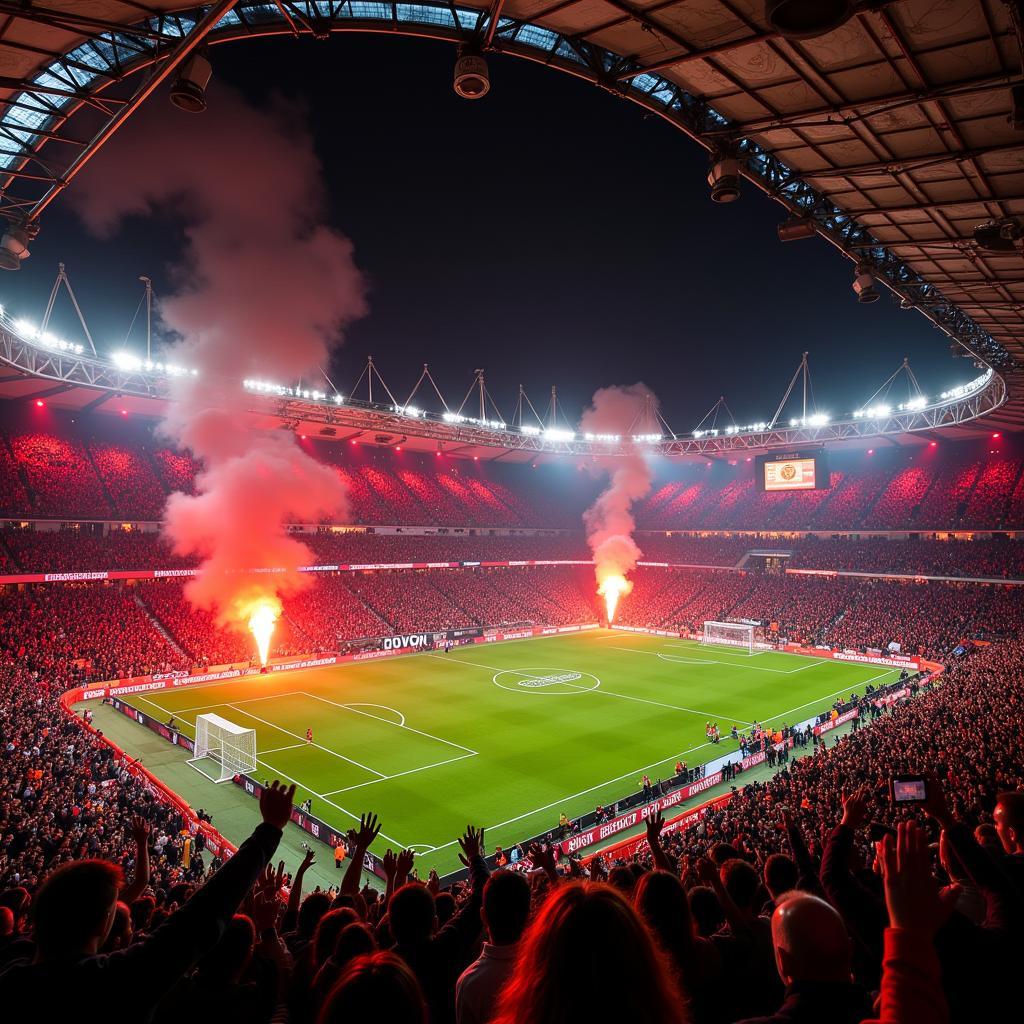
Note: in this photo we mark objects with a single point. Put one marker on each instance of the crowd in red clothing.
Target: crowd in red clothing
(64, 472)
(767, 910)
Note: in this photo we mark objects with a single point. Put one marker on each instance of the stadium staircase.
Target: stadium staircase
(452, 599)
(370, 607)
(159, 626)
(22, 475)
(107, 496)
(151, 461)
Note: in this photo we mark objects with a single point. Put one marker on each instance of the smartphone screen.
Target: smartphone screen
(909, 790)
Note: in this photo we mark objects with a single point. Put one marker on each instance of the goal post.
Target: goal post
(230, 748)
(729, 634)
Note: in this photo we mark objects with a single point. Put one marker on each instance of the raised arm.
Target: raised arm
(369, 829)
(655, 823)
(137, 886)
(295, 896)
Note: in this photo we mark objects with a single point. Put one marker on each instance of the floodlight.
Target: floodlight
(724, 178)
(999, 235)
(795, 228)
(13, 248)
(472, 81)
(804, 19)
(864, 284)
(189, 90)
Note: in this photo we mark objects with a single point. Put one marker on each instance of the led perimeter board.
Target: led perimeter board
(793, 471)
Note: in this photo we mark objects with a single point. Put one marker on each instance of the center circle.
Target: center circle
(546, 680)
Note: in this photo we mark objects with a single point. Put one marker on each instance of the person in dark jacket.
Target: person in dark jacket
(68, 979)
(812, 954)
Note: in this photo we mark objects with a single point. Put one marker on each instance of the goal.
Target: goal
(729, 634)
(230, 748)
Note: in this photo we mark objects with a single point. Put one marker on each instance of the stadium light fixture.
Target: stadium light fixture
(996, 436)
(724, 178)
(14, 247)
(472, 81)
(805, 19)
(864, 284)
(40, 403)
(189, 90)
(871, 451)
(934, 444)
(795, 228)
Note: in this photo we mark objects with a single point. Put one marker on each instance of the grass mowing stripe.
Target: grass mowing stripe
(534, 757)
(318, 746)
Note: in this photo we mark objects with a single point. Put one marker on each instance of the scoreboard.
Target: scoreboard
(794, 471)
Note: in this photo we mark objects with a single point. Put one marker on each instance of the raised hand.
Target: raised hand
(404, 862)
(543, 858)
(912, 893)
(276, 804)
(655, 823)
(433, 883)
(307, 862)
(389, 862)
(472, 844)
(855, 808)
(140, 830)
(264, 906)
(369, 829)
(935, 805)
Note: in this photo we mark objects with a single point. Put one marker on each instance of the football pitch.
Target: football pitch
(506, 735)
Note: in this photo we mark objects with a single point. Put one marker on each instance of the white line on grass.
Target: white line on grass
(277, 750)
(326, 750)
(398, 775)
(584, 792)
(725, 664)
(817, 700)
(247, 700)
(611, 693)
(320, 796)
(397, 725)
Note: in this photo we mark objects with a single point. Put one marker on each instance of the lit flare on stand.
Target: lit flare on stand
(611, 589)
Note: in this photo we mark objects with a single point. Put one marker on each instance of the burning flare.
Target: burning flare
(611, 589)
(262, 620)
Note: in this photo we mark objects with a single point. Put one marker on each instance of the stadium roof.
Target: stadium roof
(893, 134)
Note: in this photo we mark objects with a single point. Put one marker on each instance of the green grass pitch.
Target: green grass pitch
(506, 735)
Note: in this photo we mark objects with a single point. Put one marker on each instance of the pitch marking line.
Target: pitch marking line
(726, 664)
(276, 772)
(398, 775)
(845, 689)
(326, 750)
(248, 700)
(276, 750)
(397, 725)
(607, 693)
(655, 764)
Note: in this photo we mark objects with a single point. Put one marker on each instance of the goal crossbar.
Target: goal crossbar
(729, 634)
(231, 747)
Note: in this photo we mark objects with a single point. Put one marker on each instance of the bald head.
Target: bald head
(810, 940)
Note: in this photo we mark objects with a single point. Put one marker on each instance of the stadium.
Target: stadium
(334, 681)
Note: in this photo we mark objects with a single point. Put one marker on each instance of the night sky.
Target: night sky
(550, 233)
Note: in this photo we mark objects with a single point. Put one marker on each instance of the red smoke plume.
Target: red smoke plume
(262, 289)
(609, 521)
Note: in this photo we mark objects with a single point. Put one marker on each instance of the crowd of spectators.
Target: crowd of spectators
(130, 479)
(60, 475)
(66, 473)
(809, 896)
(88, 549)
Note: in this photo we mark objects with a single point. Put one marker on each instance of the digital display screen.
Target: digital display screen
(793, 471)
(790, 475)
(909, 790)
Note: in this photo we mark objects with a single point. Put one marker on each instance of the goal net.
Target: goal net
(223, 749)
(729, 634)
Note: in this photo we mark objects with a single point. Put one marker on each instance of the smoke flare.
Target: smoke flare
(263, 288)
(609, 521)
